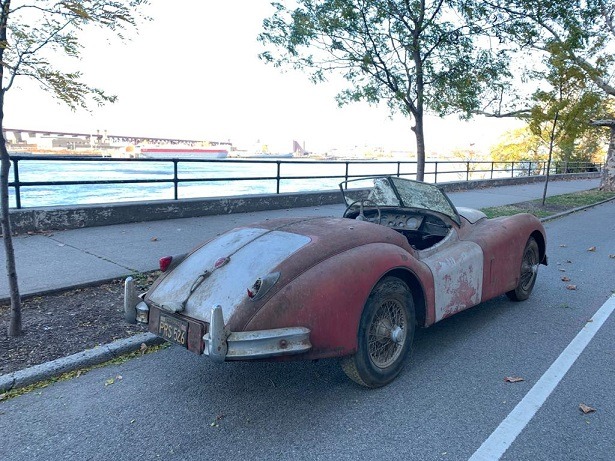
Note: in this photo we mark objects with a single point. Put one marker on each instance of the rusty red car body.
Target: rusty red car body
(351, 287)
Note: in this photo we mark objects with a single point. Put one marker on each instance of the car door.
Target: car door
(457, 269)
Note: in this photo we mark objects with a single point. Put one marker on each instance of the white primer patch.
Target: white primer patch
(458, 277)
(253, 253)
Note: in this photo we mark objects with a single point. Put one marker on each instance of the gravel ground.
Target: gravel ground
(64, 323)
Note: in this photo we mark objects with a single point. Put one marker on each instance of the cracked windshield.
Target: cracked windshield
(412, 194)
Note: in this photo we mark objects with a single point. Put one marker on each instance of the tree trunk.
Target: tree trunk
(420, 149)
(608, 175)
(5, 221)
(607, 182)
(551, 144)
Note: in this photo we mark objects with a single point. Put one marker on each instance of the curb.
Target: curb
(52, 291)
(574, 210)
(87, 358)
(106, 352)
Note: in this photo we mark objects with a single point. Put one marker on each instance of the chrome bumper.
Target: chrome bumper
(222, 344)
(135, 310)
(130, 300)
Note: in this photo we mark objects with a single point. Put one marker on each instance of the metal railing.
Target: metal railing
(435, 171)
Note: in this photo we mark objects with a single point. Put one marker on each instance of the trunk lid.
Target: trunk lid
(287, 246)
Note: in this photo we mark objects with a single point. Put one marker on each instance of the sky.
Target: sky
(193, 72)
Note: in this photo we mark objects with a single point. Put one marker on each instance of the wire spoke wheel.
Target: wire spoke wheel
(385, 335)
(529, 267)
(529, 270)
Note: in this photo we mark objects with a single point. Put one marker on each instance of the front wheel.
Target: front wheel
(385, 336)
(529, 270)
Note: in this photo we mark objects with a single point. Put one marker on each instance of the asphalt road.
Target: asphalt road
(446, 403)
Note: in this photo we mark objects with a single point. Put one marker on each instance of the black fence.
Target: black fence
(284, 175)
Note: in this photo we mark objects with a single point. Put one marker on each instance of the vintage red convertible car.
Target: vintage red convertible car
(353, 287)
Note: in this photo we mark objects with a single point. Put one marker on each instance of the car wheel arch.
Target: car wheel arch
(416, 289)
(542, 245)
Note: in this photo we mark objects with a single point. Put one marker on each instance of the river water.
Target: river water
(54, 195)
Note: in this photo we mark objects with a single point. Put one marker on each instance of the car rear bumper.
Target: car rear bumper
(215, 339)
(221, 344)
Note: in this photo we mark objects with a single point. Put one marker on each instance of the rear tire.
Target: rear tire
(528, 273)
(385, 335)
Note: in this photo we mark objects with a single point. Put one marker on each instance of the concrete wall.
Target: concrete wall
(73, 217)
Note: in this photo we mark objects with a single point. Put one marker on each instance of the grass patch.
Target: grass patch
(577, 199)
(553, 205)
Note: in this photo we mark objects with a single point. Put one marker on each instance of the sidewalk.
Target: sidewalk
(85, 256)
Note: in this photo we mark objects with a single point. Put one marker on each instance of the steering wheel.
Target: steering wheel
(361, 216)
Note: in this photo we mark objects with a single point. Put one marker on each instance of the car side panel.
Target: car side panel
(503, 241)
(329, 298)
(458, 277)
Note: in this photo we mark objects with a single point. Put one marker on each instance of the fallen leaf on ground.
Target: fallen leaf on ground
(2, 397)
(154, 239)
(216, 422)
(591, 249)
(586, 408)
(562, 270)
(563, 246)
(109, 382)
(612, 256)
(143, 347)
(571, 287)
(513, 379)
(565, 279)
(568, 261)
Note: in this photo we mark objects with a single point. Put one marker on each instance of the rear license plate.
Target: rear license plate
(173, 329)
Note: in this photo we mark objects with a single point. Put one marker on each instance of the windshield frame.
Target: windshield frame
(448, 209)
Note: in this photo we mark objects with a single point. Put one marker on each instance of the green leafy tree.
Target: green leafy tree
(560, 116)
(579, 34)
(415, 56)
(32, 33)
(573, 99)
(518, 145)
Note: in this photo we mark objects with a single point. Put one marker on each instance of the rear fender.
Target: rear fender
(329, 297)
(503, 241)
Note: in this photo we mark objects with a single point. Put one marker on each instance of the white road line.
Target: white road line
(505, 434)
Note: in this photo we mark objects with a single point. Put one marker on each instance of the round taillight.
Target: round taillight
(221, 262)
(165, 263)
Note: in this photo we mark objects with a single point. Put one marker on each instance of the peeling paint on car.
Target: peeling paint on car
(458, 278)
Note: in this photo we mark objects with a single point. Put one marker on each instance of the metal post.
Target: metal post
(346, 176)
(398, 168)
(467, 171)
(435, 173)
(492, 170)
(175, 180)
(17, 187)
(277, 190)
(512, 170)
